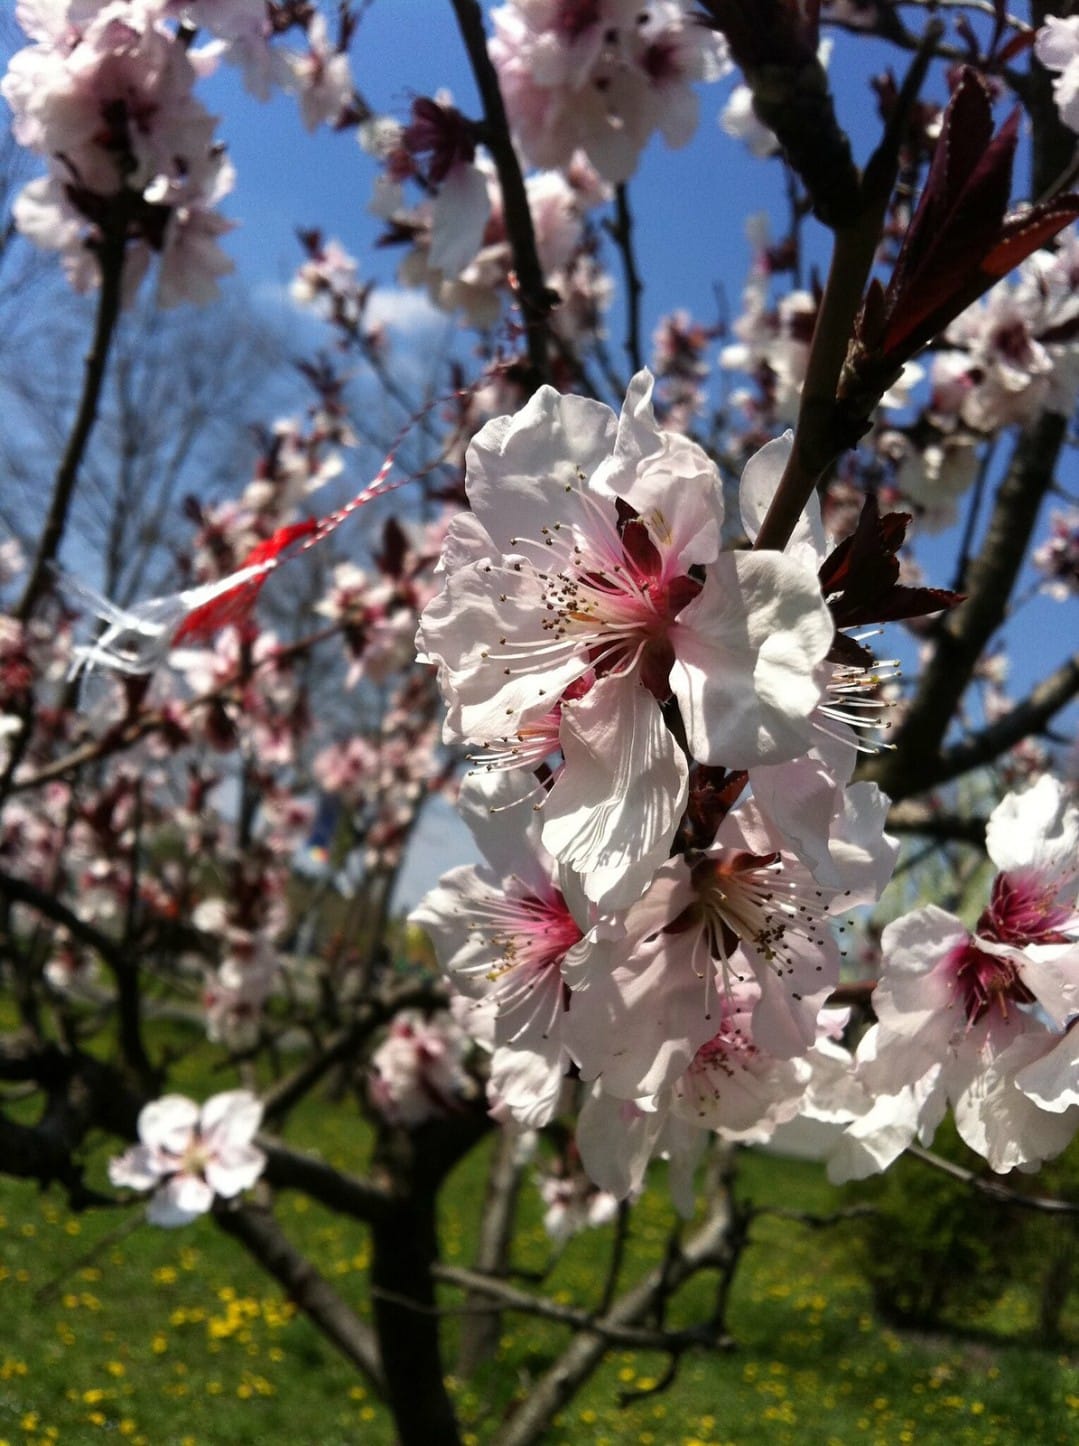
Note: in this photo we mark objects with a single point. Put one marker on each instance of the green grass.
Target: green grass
(176, 1339)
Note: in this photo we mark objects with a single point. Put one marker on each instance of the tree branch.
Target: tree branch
(111, 260)
(509, 1297)
(480, 1331)
(710, 1247)
(916, 762)
(532, 290)
(621, 232)
(288, 1169)
(824, 429)
(255, 1227)
(118, 959)
(1026, 718)
(283, 1096)
(130, 731)
(928, 822)
(993, 1188)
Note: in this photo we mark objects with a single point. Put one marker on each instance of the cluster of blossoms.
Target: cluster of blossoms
(572, 1203)
(602, 76)
(659, 903)
(1004, 361)
(982, 1020)
(459, 249)
(418, 1071)
(772, 335)
(1016, 353)
(679, 347)
(1057, 559)
(105, 95)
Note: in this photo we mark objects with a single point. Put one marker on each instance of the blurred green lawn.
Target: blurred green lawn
(173, 1338)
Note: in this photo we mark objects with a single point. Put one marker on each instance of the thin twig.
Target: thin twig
(1027, 718)
(821, 433)
(510, 1298)
(973, 511)
(111, 260)
(993, 1188)
(618, 1254)
(288, 1169)
(621, 232)
(128, 733)
(916, 762)
(532, 290)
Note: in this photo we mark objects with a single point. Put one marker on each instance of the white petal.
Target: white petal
(458, 218)
(234, 1169)
(760, 479)
(1037, 829)
(138, 1168)
(524, 472)
(1052, 1079)
(230, 1119)
(181, 1200)
(168, 1123)
(616, 1139)
(614, 808)
(746, 653)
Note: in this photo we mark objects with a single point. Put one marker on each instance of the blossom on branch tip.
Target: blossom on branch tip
(961, 239)
(1056, 45)
(984, 1021)
(503, 933)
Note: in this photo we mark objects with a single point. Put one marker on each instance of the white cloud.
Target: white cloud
(406, 311)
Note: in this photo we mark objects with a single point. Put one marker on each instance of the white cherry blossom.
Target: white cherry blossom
(503, 932)
(189, 1154)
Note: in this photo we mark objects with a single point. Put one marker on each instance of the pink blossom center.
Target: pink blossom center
(532, 935)
(616, 603)
(745, 898)
(574, 17)
(1012, 341)
(984, 982)
(196, 1156)
(660, 62)
(1023, 909)
(728, 1051)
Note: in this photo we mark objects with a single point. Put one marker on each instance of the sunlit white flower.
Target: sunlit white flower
(187, 1155)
